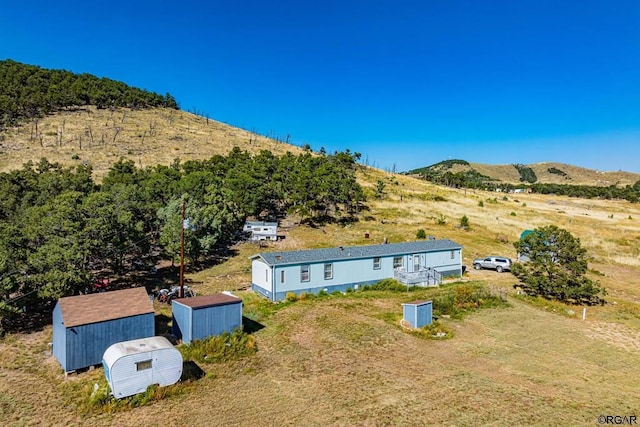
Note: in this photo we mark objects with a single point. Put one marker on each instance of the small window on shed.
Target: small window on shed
(282, 276)
(144, 365)
(377, 265)
(397, 262)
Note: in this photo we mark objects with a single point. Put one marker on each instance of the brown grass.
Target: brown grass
(339, 361)
(148, 137)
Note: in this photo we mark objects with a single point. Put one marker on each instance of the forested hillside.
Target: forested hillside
(28, 91)
(58, 227)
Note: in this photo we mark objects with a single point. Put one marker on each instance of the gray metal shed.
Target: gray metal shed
(84, 326)
(206, 315)
(418, 313)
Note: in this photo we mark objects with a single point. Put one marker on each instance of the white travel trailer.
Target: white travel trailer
(132, 366)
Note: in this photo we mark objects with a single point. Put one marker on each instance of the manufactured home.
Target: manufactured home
(206, 315)
(84, 326)
(420, 263)
(260, 230)
(132, 366)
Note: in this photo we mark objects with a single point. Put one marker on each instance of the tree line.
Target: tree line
(475, 180)
(58, 227)
(28, 91)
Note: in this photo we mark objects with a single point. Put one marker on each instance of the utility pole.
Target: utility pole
(181, 292)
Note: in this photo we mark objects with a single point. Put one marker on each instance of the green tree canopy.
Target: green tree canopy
(556, 268)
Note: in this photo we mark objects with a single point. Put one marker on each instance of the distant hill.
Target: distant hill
(28, 92)
(82, 119)
(542, 173)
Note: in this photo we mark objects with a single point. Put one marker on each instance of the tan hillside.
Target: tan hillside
(573, 175)
(148, 137)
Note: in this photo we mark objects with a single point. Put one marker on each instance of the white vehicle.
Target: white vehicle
(496, 263)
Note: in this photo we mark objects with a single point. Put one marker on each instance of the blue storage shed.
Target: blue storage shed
(84, 326)
(205, 315)
(418, 313)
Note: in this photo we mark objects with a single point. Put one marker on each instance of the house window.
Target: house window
(305, 273)
(328, 271)
(266, 276)
(453, 254)
(282, 276)
(144, 365)
(416, 263)
(397, 262)
(376, 263)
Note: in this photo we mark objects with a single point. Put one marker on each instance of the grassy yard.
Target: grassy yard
(344, 360)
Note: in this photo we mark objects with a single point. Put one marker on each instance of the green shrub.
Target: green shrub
(512, 214)
(464, 221)
(481, 204)
(421, 234)
(387, 285)
(291, 297)
(220, 348)
(441, 220)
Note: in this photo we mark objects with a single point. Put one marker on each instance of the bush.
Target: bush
(441, 220)
(464, 222)
(421, 234)
(481, 204)
(220, 348)
(387, 285)
(291, 297)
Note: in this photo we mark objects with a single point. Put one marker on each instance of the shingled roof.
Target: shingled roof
(103, 306)
(356, 252)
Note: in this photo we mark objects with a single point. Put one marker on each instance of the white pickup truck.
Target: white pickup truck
(496, 263)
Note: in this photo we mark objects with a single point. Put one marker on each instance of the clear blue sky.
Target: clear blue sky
(405, 83)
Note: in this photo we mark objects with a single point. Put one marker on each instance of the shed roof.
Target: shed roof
(203, 301)
(356, 252)
(418, 302)
(103, 306)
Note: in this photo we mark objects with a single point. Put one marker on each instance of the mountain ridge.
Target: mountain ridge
(547, 172)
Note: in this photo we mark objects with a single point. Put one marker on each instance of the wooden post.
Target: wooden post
(181, 292)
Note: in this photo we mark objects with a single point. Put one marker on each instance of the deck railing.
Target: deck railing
(423, 277)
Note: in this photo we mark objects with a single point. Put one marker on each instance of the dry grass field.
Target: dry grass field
(147, 137)
(344, 360)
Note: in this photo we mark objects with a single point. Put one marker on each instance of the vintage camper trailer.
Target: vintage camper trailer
(132, 366)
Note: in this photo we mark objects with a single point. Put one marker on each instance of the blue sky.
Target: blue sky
(405, 83)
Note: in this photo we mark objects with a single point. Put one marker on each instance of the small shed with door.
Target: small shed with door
(418, 313)
(132, 366)
(206, 315)
(84, 326)
(261, 230)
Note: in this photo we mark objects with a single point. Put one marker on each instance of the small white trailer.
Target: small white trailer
(132, 366)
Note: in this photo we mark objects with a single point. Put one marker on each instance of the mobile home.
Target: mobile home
(421, 263)
(261, 230)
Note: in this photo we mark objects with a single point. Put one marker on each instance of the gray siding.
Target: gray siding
(418, 315)
(199, 323)
(83, 345)
(275, 281)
